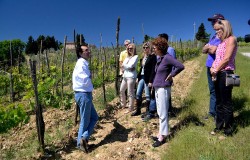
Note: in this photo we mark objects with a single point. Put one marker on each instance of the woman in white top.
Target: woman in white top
(129, 77)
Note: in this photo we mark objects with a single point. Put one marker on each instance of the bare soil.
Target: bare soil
(117, 135)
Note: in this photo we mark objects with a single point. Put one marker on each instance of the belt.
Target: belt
(227, 71)
(81, 92)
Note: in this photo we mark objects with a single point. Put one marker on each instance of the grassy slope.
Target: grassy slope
(193, 141)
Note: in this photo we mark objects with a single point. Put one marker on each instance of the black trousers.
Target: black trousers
(224, 108)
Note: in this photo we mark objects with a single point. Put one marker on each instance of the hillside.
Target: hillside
(117, 135)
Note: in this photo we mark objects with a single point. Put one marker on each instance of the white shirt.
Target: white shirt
(128, 64)
(81, 77)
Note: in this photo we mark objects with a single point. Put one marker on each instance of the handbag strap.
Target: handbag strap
(234, 66)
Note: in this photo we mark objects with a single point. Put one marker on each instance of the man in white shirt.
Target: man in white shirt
(83, 87)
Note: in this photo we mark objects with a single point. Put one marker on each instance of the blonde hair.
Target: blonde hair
(134, 49)
(147, 44)
(226, 28)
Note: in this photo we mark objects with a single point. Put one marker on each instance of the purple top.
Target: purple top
(163, 68)
(215, 41)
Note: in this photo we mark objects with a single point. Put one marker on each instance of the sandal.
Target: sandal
(158, 143)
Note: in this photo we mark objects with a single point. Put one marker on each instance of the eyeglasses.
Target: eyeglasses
(145, 47)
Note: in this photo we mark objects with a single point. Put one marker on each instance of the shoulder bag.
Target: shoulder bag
(232, 80)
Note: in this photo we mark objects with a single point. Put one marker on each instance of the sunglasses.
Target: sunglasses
(218, 30)
(219, 21)
(85, 50)
(216, 20)
(145, 47)
(130, 48)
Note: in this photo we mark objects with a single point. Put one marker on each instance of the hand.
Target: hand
(213, 72)
(132, 69)
(214, 78)
(169, 78)
(205, 48)
(150, 85)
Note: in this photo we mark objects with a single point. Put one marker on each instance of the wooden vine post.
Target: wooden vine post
(38, 108)
(62, 66)
(39, 54)
(11, 77)
(77, 56)
(103, 77)
(102, 54)
(117, 57)
(11, 57)
(18, 59)
(47, 62)
(11, 88)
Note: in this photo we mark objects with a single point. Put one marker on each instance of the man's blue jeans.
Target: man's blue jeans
(142, 85)
(88, 115)
(212, 105)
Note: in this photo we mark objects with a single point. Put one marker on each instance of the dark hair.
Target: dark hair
(79, 50)
(164, 35)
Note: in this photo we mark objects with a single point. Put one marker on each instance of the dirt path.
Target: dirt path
(117, 135)
(246, 54)
(120, 136)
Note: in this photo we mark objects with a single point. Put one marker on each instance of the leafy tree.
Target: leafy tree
(32, 46)
(48, 42)
(240, 39)
(4, 50)
(59, 44)
(51, 43)
(247, 38)
(147, 38)
(201, 35)
(17, 46)
(39, 39)
(82, 39)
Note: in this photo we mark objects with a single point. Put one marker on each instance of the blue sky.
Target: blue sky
(21, 18)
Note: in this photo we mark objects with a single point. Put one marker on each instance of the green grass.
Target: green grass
(98, 99)
(192, 140)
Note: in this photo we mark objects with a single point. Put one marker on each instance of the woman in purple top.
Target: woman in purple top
(162, 84)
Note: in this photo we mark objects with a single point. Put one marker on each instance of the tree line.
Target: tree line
(203, 36)
(34, 46)
(13, 49)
